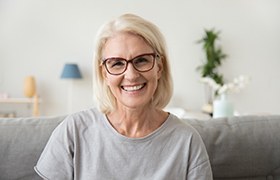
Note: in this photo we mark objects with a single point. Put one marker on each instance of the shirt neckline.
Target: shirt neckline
(140, 139)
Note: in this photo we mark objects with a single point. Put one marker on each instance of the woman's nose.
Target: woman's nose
(131, 72)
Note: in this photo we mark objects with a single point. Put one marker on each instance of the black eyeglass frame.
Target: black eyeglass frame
(155, 56)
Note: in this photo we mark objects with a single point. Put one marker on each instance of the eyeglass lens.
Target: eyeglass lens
(141, 63)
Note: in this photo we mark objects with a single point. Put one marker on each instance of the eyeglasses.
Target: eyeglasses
(142, 63)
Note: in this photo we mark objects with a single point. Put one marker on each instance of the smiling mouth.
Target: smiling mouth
(133, 88)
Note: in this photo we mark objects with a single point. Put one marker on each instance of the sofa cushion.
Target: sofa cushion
(244, 147)
(21, 142)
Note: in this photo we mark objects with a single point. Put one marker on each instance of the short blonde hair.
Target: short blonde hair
(151, 34)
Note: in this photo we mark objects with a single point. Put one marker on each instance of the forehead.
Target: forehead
(126, 45)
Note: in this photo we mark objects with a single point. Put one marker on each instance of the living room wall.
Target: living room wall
(38, 37)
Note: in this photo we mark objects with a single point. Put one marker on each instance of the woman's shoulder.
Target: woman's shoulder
(185, 133)
(83, 118)
(181, 126)
(91, 113)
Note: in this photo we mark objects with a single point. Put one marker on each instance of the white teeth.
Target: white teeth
(133, 88)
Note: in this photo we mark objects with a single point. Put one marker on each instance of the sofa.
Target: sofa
(239, 148)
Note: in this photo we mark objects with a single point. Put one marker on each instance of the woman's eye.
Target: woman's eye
(117, 63)
(141, 60)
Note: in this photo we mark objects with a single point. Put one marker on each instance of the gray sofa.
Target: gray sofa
(240, 148)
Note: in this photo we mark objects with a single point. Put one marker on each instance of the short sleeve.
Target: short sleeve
(199, 164)
(56, 161)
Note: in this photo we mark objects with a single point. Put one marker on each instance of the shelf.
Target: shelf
(35, 101)
(17, 100)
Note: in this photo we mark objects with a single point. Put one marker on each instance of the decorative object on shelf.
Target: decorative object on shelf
(235, 86)
(70, 72)
(29, 86)
(214, 57)
(222, 107)
(7, 114)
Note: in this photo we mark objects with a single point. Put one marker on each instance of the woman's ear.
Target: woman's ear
(160, 66)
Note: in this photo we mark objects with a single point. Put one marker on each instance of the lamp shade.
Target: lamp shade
(71, 71)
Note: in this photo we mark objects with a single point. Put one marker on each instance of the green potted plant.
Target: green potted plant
(214, 57)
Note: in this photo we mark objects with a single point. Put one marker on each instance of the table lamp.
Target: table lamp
(70, 72)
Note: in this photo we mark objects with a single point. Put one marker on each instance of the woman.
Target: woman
(129, 136)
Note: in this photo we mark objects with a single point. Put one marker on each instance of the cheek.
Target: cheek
(106, 76)
(154, 76)
(108, 80)
(112, 81)
(159, 74)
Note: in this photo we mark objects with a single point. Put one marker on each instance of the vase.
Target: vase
(29, 86)
(222, 107)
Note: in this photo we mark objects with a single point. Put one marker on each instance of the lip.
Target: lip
(133, 88)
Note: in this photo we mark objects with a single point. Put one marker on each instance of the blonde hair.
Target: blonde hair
(151, 34)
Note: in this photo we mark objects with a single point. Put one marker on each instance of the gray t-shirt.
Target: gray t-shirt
(86, 147)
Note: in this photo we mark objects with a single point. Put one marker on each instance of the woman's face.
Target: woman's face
(132, 89)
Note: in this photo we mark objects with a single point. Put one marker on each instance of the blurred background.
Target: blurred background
(38, 37)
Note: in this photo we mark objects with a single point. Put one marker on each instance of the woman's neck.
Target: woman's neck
(137, 123)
